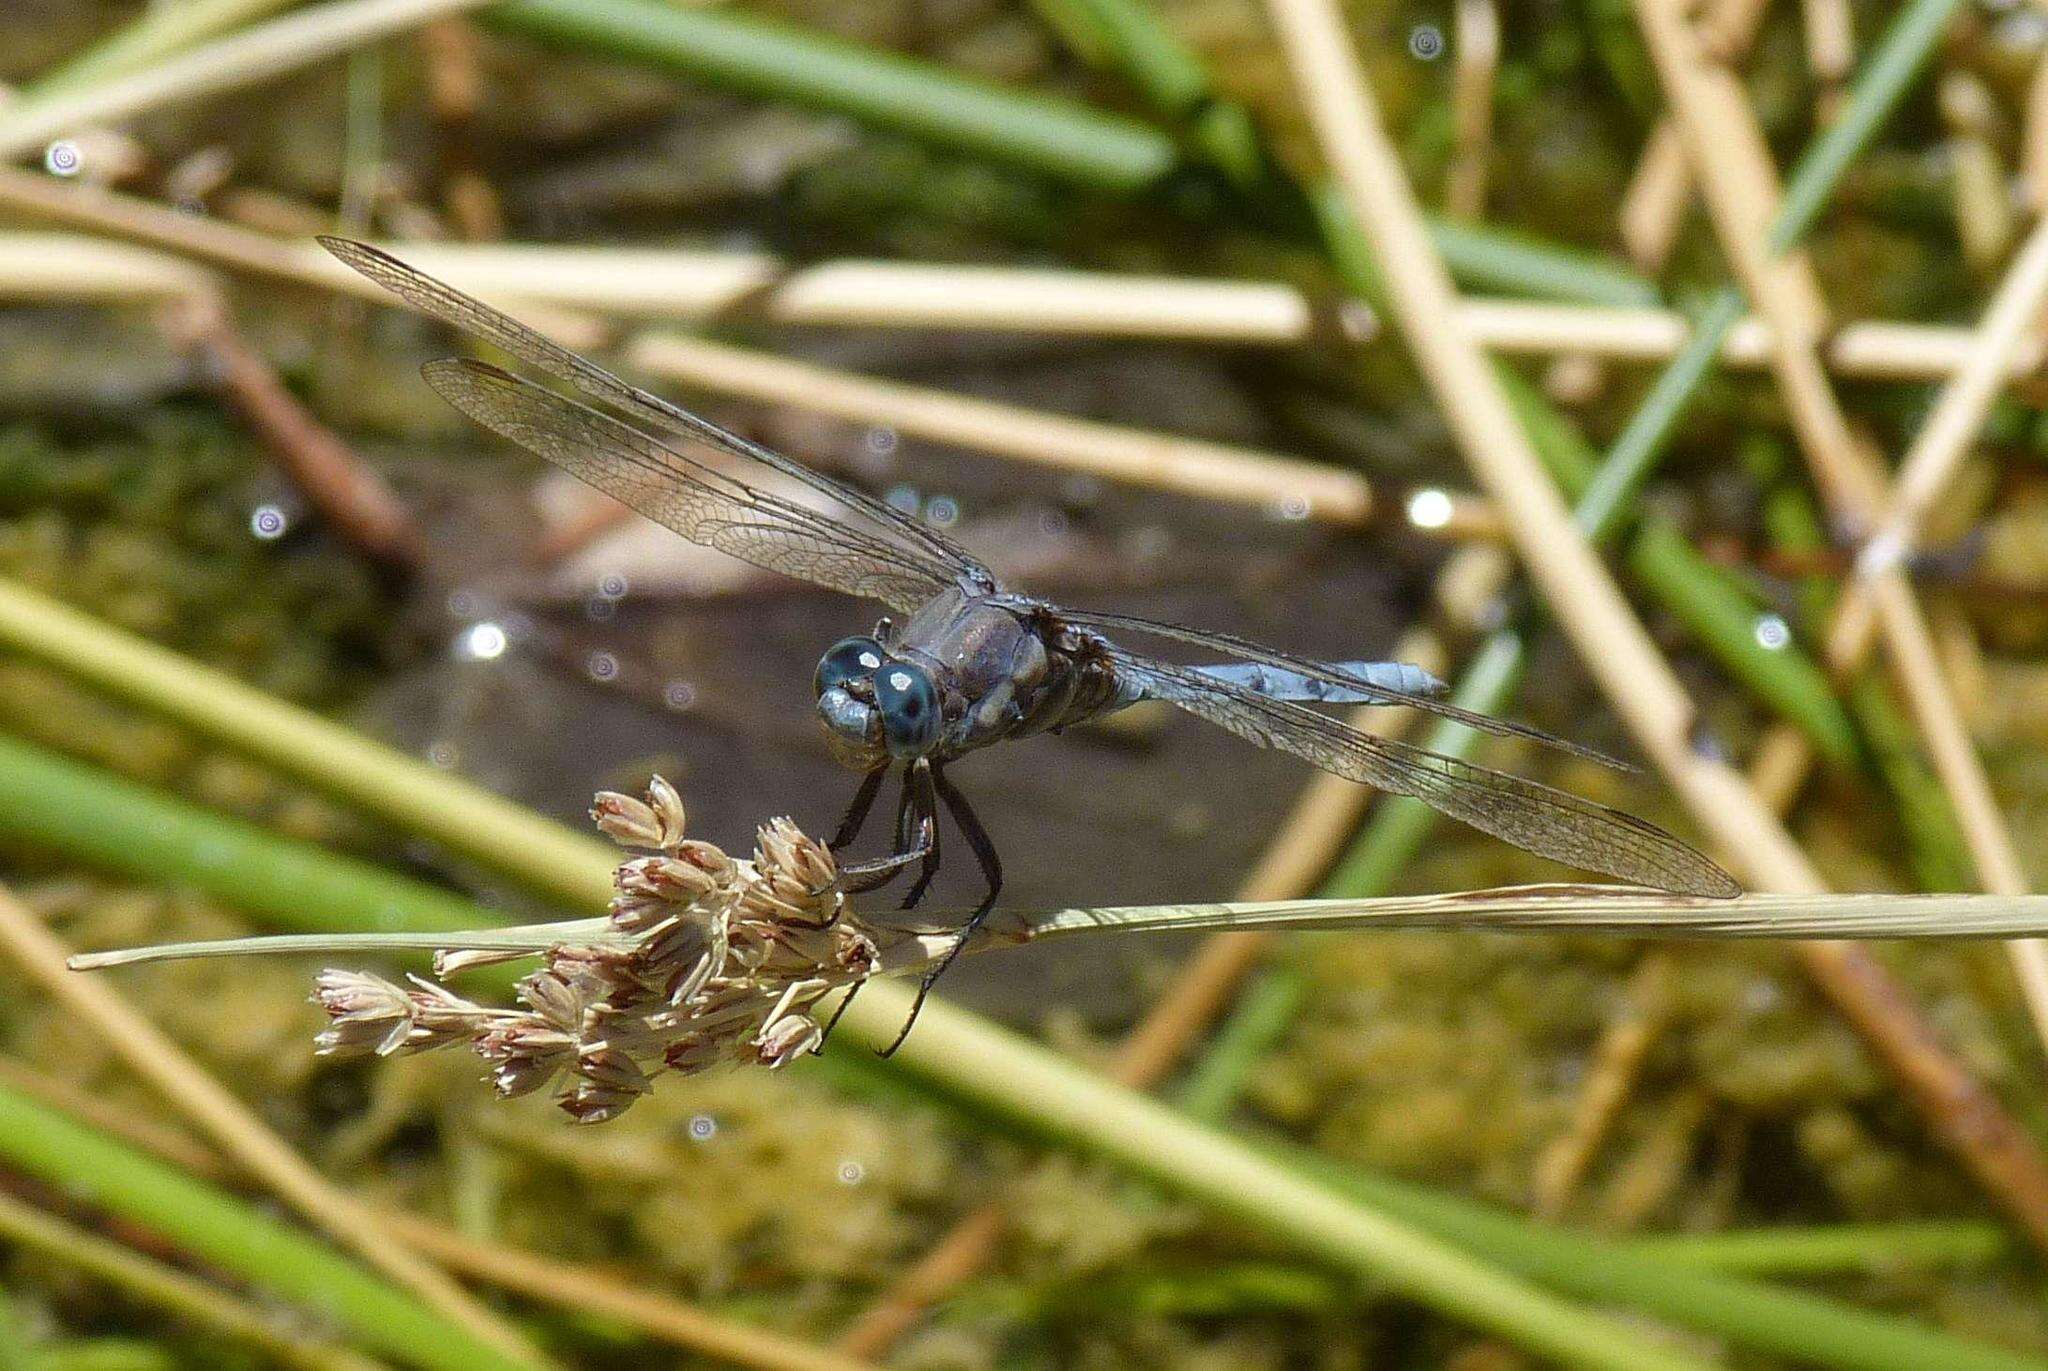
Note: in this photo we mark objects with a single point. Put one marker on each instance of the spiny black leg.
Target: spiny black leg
(838, 1013)
(978, 841)
(856, 815)
(926, 777)
(991, 869)
(865, 876)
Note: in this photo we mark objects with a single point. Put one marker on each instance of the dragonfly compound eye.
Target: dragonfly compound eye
(909, 706)
(846, 660)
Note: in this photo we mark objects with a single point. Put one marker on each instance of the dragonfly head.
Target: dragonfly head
(876, 708)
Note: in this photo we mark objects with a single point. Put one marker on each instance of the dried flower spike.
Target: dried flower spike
(704, 960)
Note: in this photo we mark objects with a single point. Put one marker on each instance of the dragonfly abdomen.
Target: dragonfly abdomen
(1279, 683)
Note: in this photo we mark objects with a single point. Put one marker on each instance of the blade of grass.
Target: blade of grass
(1264, 1013)
(465, 819)
(190, 1299)
(115, 825)
(233, 1127)
(902, 94)
(1866, 1247)
(227, 1233)
(1804, 1328)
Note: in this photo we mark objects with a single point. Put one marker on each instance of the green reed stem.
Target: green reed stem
(198, 1303)
(1264, 1012)
(230, 1235)
(1805, 1328)
(107, 1354)
(465, 819)
(901, 94)
(95, 817)
(1822, 1251)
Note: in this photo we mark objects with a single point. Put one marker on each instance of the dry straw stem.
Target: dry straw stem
(1654, 205)
(221, 244)
(64, 268)
(60, 1243)
(715, 285)
(718, 285)
(242, 59)
(1216, 471)
(1830, 46)
(237, 1131)
(157, 32)
(1742, 201)
(170, 1143)
(2034, 141)
(577, 1289)
(1610, 640)
(1476, 40)
(1617, 1061)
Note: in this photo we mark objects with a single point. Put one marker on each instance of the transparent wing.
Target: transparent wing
(1551, 823)
(917, 539)
(1354, 686)
(700, 503)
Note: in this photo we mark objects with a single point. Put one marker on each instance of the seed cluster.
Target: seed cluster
(706, 960)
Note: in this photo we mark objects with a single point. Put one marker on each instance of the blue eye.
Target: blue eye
(846, 660)
(909, 705)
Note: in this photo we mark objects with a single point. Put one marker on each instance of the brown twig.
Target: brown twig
(353, 498)
(1855, 489)
(232, 1127)
(1590, 608)
(589, 1292)
(1617, 1060)
(454, 93)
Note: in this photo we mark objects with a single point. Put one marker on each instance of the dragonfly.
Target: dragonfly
(963, 662)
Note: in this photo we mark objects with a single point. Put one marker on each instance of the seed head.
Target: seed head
(705, 961)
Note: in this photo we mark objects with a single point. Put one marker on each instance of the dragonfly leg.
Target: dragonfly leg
(925, 777)
(916, 838)
(856, 816)
(984, 850)
(838, 1013)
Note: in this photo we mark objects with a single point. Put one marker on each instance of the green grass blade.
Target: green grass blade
(902, 94)
(228, 1234)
